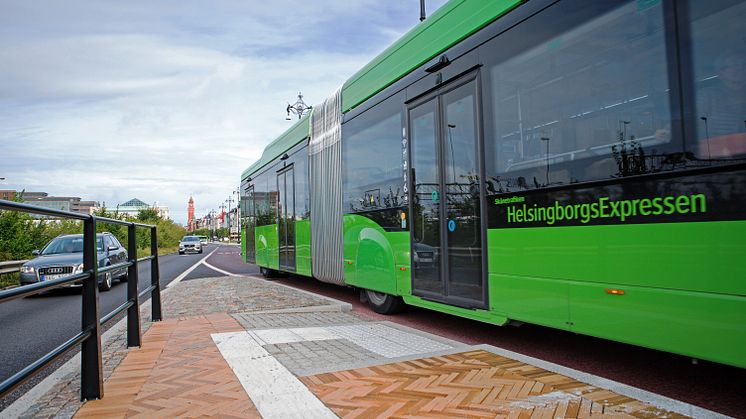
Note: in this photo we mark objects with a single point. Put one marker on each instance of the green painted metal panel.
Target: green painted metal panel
(289, 139)
(267, 246)
(534, 300)
(368, 257)
(703, 257)
(303, 247)
(702, 325)
(479, 315)
(678, 282)
(449, 25)
(243, 245)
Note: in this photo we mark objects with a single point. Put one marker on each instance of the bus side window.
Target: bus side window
(577, 94)
(719, 61)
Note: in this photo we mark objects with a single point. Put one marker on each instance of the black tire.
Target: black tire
(384, 303)
(106, 283)
(200, 250)
(181, 253)
(125, 277)
(269, 273)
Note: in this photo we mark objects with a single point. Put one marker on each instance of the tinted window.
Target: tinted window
(579, 92)
(372, 158)
(302, 203)
(718, 30)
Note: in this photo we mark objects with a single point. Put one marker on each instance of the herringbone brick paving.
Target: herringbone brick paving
(177, 373)
(469, 384)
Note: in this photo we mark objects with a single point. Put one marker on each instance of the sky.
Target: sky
(162, 100)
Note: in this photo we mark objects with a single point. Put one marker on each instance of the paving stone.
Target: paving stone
(300, 359)
(232, 295)
(253, 321)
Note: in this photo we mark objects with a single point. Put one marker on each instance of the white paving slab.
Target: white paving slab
(378, 338)
(387, 341)
(274, 390)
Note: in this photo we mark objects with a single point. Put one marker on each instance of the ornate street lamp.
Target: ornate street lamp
(298, 108)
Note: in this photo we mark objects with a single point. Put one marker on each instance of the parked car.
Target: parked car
(63, 256)
(203, 240)
(190, 244)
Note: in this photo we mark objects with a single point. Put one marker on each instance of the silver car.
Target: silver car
(190, 244)
(63, 256)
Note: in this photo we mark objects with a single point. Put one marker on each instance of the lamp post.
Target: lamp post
(707, 136)
(299, 108)
(546, 139)
(237, 192)
(230, 217)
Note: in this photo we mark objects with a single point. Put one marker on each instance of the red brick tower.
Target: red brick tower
(190, 213)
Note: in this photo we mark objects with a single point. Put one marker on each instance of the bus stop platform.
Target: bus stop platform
(242, 346)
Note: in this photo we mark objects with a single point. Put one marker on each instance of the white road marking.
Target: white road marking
(275, 391)
(188, 271)
(218, 269)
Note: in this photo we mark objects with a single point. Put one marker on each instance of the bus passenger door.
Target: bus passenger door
(286, 218)
(249, 224)
(447, 228)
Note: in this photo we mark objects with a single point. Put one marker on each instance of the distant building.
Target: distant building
(133, 207)
(62, 203)
(7, 195)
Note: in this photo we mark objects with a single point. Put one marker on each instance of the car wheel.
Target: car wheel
(181, 253)
(383, 303)
(106, 283)
(200, 250)
(125, 277)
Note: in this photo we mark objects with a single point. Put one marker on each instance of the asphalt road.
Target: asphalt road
(32, 327)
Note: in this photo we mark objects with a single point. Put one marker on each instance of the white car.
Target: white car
(190, 244)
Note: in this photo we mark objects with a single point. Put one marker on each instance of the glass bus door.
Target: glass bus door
(249, 224)
(447, 252)
(286, 218)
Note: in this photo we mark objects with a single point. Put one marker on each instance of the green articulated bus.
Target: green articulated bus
(577, 164)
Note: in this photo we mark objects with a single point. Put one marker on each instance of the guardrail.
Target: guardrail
(91, 365)
(10, 266)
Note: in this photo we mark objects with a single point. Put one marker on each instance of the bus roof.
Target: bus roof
(449, 25)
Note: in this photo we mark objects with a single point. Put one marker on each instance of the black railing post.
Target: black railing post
(91, 371)
(133, 313)
(155, 276)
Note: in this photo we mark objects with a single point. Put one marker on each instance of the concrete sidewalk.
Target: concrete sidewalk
(247, 347)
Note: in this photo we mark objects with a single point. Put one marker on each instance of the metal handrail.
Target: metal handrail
(114, 267)
(89, 338)
(10, 266)
(39, 287)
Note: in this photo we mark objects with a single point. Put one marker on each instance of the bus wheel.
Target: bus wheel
(383, 303)
(268, 273)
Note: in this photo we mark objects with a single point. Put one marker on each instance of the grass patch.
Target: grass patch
(9, 280)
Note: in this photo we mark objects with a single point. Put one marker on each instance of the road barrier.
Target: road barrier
(91, 365)
(10, 266)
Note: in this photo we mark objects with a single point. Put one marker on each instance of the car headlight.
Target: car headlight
(27, 269)
(78, 269)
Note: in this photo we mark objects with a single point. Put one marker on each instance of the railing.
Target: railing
(11, 266)
(91, 366)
